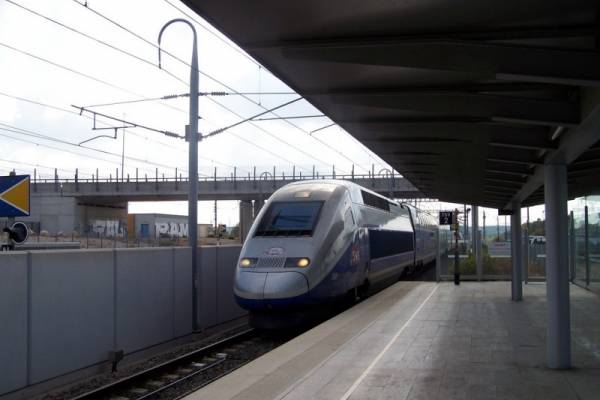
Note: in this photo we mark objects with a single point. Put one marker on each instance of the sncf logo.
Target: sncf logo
(274, 251)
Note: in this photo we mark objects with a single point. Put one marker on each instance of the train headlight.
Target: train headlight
(297, 262)
(247, 262)
(303, 262)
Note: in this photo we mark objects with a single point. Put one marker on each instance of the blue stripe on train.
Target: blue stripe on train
(384, 243)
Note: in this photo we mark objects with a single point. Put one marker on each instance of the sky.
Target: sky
(56, 54)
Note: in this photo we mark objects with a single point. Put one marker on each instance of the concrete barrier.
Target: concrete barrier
(182, 302)
(226, 307)
(71, 319)
(61, 311)
(13, 320)
(144, 298)
(217, 304)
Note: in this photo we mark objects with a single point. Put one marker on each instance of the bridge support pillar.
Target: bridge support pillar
(258, 205)
(246, 218)
(557, 267)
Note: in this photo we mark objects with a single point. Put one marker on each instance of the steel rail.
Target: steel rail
(162, 368)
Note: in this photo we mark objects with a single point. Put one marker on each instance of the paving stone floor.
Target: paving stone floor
(461, 342)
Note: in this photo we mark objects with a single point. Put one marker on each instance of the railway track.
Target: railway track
(176, 378)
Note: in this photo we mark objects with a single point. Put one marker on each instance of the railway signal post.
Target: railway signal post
(455, 228)
(451, 218)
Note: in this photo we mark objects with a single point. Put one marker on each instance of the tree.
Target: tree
(536, 228)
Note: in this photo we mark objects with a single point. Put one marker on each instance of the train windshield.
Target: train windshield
(290, 218)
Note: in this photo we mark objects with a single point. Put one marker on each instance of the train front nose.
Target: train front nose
(256, 291)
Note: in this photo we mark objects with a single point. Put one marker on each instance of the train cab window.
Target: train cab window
(290, 218)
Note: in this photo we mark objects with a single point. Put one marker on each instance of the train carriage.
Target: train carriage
(315, 242)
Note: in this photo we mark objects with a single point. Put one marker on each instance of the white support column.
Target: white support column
(557, 267)
(516, 253)
(477, 243)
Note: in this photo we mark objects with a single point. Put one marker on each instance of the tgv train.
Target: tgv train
(317, 241)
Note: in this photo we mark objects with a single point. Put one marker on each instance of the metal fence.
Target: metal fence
(584, 251)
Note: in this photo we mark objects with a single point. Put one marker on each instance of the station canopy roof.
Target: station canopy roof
(467, 99)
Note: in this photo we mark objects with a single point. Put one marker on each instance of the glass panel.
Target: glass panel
(496, 257)
(447, 263)
(593, 203)
(466, 263)
(536, 266)
(289, 218)
(579, 216)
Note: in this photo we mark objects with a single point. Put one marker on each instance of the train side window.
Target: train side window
(372, 200)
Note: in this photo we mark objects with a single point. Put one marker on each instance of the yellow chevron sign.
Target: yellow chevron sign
(14, 196)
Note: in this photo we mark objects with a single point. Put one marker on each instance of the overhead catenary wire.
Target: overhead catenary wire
(79, 73)
(235, 48)
(322, 128)
(30, 133)
(247, 98)
(133, 124)
(260, 68)
(139, 59)
(72, 112)
(171, 134)
(46, 105)
(120, 26)
(177, 96)
(54, 148)
(37, 165)
(141, 136)
(128, 91)
(360, 145)
(220, 130)
(292, 117)
(270, 134)
(211, 134)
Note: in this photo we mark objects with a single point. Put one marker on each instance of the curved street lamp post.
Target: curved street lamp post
(192, 137)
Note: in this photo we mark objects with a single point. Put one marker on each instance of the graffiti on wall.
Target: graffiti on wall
(107, 227)
(170, 229)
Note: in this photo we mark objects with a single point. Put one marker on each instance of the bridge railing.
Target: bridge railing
(265, 176)
(207, 179)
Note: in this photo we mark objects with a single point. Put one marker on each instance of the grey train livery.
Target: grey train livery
(317, 241)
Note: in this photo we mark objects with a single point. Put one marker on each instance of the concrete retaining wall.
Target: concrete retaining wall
(217, 304)
(64, 310)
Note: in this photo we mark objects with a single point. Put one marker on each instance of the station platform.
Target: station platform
(426, 340)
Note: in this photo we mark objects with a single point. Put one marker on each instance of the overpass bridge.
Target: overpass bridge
(117, 191)
(75, 204)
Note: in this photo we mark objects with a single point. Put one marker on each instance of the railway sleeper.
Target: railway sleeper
(138, 391)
